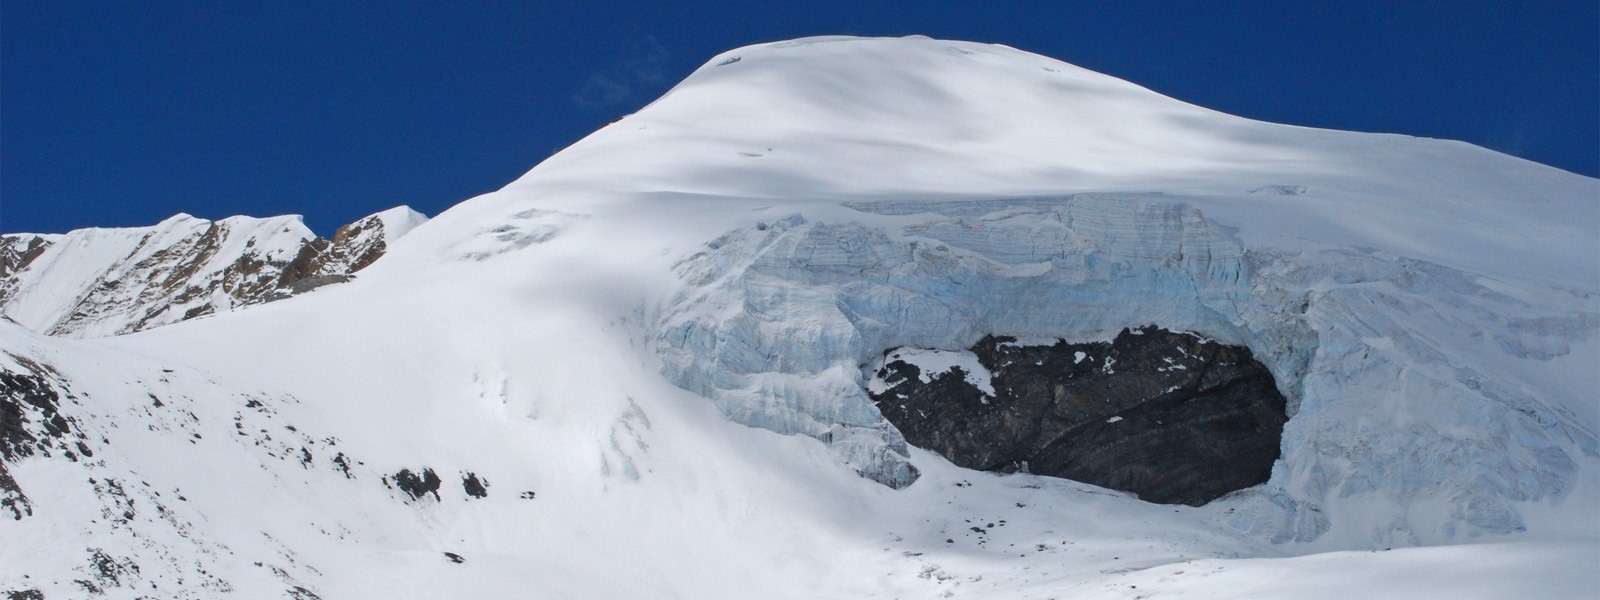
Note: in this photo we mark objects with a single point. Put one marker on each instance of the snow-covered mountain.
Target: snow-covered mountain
(99, 282)
(647, 368)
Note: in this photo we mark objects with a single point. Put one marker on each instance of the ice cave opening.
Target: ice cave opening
(1172, 417)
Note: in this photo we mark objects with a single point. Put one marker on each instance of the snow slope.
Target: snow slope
(589, 340)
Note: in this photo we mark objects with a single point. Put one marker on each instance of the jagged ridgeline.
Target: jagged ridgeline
(99, 282)
(1172, 417)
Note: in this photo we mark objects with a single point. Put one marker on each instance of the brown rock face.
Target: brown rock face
(112, 281)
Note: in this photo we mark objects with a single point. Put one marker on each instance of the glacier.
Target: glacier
(638, 370)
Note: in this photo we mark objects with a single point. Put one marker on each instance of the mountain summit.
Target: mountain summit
(659, 364)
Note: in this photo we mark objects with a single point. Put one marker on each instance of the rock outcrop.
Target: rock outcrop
(1174, 418)
(32, 424)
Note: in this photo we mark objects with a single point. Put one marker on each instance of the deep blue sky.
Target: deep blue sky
(123, 113)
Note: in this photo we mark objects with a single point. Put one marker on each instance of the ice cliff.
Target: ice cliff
(1391, 365)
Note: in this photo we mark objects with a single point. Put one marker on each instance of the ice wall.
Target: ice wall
(780, 317)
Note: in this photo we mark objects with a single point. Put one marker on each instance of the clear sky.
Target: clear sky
(124, 113)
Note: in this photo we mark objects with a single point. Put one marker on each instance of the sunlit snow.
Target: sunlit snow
(651, 347)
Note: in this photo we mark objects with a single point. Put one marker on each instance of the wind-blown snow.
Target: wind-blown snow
(593, 335)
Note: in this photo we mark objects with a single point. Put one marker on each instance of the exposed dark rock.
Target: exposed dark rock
(527, 495)
(343, 463)
(455, 558)
(117, 506)
(31, 423)
(25, 595)
(301, 286)
(12, 500)
(17, 251)
(25, 399)
(323, 262)
(475, 487)
(354, 247)
(105, 571)
(1172, 417)
(305, 264)
(417, 486)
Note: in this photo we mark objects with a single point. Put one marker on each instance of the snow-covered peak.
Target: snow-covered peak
(954, 117)
(398, 221)
(907, 118)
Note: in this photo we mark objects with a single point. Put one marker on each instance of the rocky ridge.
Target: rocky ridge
(99, 282)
